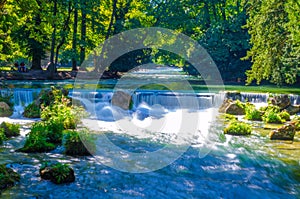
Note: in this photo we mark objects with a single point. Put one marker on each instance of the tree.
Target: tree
(275, 43)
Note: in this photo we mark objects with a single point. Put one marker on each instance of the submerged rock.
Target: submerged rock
(8, 177)
(286, 132)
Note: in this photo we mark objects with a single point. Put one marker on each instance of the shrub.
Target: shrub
(10, 130)
(285, 115)
(58, 173)
(7, 177)
(238, 128)
(252, 113)
(296, 122)
(36, 142)
(32, 111)
(73, 143)
(272, 115)
(2, 136)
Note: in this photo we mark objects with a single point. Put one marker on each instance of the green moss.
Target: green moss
(58, 173)
(2, 136)
(285, 115)
(252, 113)
(32, 111)
(8, 177)
(296, 122)
(238, 128)
(10, 130)
(272, 115)
(74, 145)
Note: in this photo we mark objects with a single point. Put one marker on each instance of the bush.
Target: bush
(296, 122)
(44, 136)
(2, 136)
(272, 115)
(252, 113)
(32, 111)
(58, 173)
(285, 115)
(74, 145)
(238, 128)
(36, 142)
(10, 130)
(7, 177)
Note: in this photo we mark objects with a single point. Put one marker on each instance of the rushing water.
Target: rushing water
(213, 166)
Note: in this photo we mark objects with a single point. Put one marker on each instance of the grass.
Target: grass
(60, 69)
(252, 89)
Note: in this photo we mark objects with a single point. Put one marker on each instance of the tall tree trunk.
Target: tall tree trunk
(97, 62)
(52, 66)
(65, 31)
(74, 42)
(37, 50)
(83, 33)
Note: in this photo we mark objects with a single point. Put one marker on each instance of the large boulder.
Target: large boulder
(232, 107)
(5, 110)
(283, 101)
(122, 100)
(8, 177)
(57, 173)
(286, 132)
(293, 109)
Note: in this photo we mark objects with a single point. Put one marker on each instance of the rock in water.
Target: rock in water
(5, 110)
(283, 101)
(285, 132)
(122, 100)
(8, 177)
(232, 107)
(293, 109)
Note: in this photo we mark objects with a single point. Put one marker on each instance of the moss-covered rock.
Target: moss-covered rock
(232, 107)
(238, 128)
(286, 132)
(10, 130)
(8, 177)
(58, 173)
(33, 110)
(252, 113)
(5, 110)
(74, 145)
(282, 101)
(2, 136)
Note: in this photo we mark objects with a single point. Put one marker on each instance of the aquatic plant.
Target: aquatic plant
(10, 130)
(238, 128)
(252, 113)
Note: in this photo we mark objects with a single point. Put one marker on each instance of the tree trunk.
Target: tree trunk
(74, 42)
(65, 31)
(52, 66)
(83, 33)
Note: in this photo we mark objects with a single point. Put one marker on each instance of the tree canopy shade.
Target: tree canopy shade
(265, 32)
(274, 26)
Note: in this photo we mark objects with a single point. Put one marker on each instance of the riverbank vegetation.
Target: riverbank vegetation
(239, 35)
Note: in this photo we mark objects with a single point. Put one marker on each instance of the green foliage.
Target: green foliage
(58, 172)
(228, 117)
(10, 130)
(238, 128)
(2, 136)
(272, 115)
(296, 122)
(284, 115)
(74, 145)
(32, 111)
(252, 113)
(275, 41)
(7, 177)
